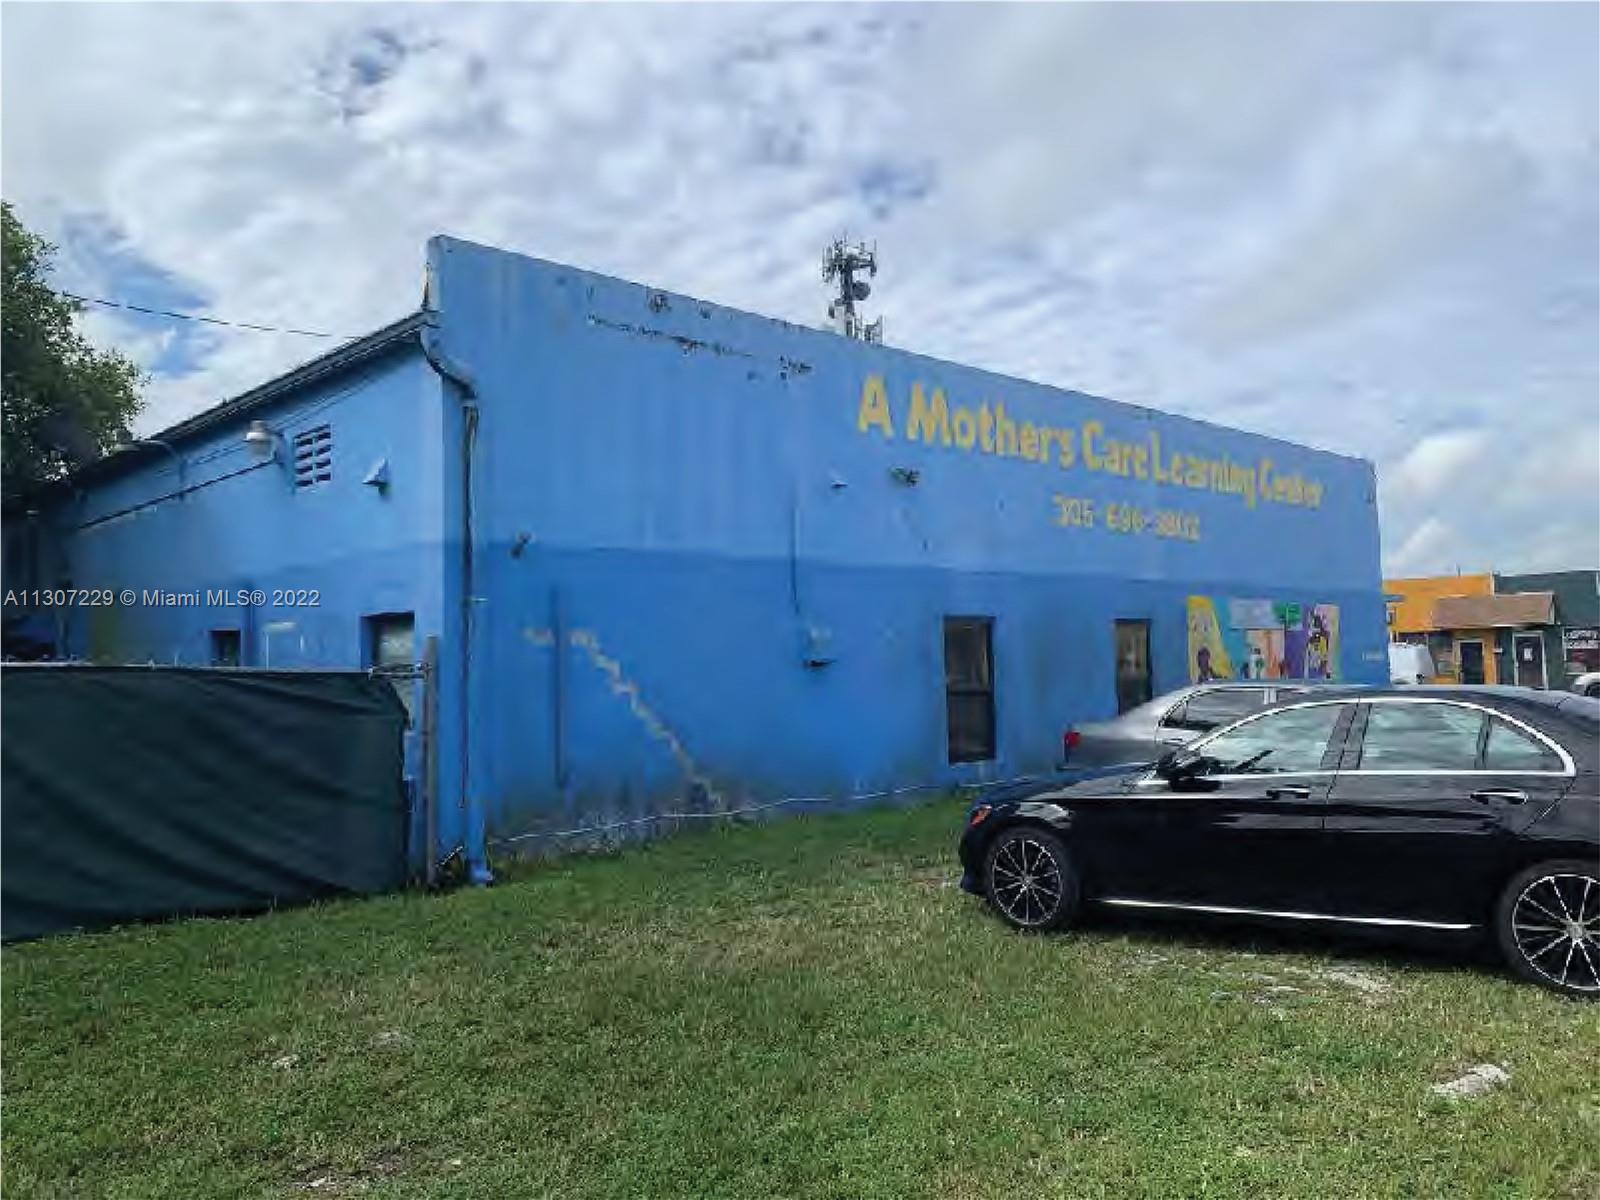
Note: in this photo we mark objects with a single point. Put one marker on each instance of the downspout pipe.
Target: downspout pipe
(460, 380)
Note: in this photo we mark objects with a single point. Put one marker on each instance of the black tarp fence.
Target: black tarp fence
(131, 793)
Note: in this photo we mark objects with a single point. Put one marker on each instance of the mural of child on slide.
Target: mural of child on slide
(1237, 638)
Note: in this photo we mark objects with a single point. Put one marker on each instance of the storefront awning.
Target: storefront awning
(1494, 612)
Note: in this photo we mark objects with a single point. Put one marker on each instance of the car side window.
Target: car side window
(1509, 749)
(1214, 707)
(1420, 737)
(1292, 739)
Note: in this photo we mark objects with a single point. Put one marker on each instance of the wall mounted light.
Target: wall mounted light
(127, 442)
(262, 441)
(817, 650)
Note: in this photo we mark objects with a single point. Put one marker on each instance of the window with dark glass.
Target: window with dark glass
(1442, 649)
(1132, 640)
(391, 640)
(1214, 707)
(391, 645)
(1294, 739)
(969, 687)
(1421, 737)
(225, 647)
(1509, 749)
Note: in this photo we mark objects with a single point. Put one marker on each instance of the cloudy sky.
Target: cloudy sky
(1374, 228)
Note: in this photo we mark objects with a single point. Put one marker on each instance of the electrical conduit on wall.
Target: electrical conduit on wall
(459, 380)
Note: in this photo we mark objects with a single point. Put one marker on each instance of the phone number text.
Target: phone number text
(1076, 512)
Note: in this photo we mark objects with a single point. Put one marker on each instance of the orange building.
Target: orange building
(1470, 631)
(1411, 606)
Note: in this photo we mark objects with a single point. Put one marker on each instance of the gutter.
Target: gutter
(336, 361)
(458, 379)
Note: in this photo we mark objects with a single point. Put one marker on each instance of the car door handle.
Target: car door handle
(1509, 795)
(1288, 791)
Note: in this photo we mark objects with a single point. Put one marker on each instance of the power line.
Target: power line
(161, 312)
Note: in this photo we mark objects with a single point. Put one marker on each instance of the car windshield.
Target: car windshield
(1215, 707)
(1152, 710)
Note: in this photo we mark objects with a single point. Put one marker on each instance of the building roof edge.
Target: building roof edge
(340, 358)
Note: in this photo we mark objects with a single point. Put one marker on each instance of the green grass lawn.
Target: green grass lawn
(808, 1008)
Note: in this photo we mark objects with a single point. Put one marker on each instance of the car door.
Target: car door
(1245, 831)
(1423, 813)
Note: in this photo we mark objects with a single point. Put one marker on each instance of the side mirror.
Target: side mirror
(1180, 766)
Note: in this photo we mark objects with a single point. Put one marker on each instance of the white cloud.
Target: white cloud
(1369, 227)
(1428, 549)
(1439, 462)
(1384, 228)
(145, 346)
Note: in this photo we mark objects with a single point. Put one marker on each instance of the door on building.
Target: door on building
(1133, 664)
(1471, 661)
(1529, 649)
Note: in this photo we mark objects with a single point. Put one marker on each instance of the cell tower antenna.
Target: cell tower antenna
(842, 264)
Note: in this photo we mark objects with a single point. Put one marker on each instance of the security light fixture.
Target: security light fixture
(262, 440)
(126, 442)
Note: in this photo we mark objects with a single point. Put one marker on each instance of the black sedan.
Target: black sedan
(1464, 811)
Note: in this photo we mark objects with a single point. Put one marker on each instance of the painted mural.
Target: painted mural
(1237, 638)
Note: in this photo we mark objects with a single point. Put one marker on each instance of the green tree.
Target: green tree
(64, 402)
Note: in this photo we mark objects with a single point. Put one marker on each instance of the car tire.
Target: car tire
(1029, 879)
(1592, 690)
(1547, 925)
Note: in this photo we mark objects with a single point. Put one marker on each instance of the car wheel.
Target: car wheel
(1548, 926)
(1029, 879)
(1592, 690)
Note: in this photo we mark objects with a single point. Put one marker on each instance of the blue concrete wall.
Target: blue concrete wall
(238, 524)
(711, 553)
(677, 505)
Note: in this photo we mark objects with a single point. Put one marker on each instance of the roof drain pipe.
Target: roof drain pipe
(460, 379)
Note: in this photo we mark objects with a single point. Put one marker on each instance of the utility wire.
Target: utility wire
(161, 312)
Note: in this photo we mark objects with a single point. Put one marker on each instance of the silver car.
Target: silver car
(1144, 733)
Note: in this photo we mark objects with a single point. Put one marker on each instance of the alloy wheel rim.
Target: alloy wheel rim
(1027, 881)
(1556, 924)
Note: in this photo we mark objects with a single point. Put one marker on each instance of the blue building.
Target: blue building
(676, 555)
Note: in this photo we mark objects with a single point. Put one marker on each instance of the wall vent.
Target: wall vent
(313, 457)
